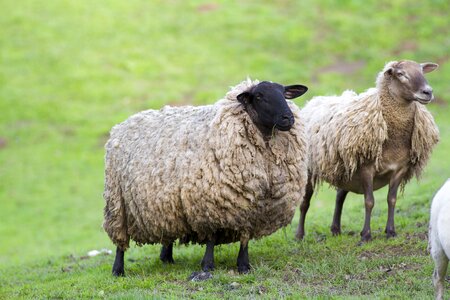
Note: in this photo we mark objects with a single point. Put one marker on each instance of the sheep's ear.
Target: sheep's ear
(244, 98)
(389, 71)
(429, 67)
(294, 91)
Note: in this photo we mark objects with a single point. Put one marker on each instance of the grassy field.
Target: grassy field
(70, 70)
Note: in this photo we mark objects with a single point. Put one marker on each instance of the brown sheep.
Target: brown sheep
(360, 143)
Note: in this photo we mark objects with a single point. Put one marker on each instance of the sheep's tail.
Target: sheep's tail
(115, 223)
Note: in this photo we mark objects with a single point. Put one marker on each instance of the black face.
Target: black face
(266, 104)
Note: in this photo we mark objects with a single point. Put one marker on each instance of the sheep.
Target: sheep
(214, 174)
(439, 236)
(360, 143)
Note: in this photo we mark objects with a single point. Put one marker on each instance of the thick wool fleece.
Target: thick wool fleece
(195, 172)
(347, 131)
(439, 231)
(439, 236)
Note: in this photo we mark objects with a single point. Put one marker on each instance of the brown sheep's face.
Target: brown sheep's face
(267, 107)
(408, 81)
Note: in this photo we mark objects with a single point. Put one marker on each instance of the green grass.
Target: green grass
(70, 70)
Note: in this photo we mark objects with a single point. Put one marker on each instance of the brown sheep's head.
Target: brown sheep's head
(408, 81)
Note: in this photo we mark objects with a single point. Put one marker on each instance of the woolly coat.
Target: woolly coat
(439, 232)
(190, 173)
(347, 131)
(439, 237)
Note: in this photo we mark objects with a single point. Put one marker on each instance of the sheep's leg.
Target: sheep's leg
(166, 254)
(391, 200)
(117, 269)
(336, 225)
(369, 201)
(440, 270)
(304, 206)
(208, 258)
(243, 263)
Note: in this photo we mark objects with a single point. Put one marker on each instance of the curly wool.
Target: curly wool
(192, 172)
(347, 131)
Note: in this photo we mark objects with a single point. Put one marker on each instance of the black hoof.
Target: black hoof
(391, 234)
(118, 266)
(166, 254)
(335, 231)
(118, 273)
(243, 269)
(207, 266)
(299, 235)
(168, 261)
(367, 237)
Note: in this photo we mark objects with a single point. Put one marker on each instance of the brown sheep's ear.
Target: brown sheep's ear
(294, 91)
(244, 98)
(429, 67)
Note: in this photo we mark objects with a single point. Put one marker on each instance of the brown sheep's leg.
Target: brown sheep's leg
(208, 258)
(243, 263)
(117, 269)
(391, 200)
(304, 206)
(166, 254)
(336, 225)
(369, 201)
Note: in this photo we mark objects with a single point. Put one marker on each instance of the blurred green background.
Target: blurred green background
(70, 70)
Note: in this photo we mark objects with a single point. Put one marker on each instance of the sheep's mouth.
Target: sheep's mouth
(423, 100)
(285, 123)
(283, 128)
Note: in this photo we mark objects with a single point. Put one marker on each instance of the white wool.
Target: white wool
(439, 235)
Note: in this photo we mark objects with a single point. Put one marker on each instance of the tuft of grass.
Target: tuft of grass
(70, 70)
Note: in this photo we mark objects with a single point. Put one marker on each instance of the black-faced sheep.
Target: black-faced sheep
(439, 237)
(212, 174)
(360, 143)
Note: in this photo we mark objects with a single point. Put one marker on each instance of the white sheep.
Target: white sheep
(212, 174)
(439, 236)
(360, 143)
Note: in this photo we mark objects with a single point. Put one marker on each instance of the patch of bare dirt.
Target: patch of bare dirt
(341, 67)
(293, 275)
(394, 268)
(391, 251)
(3, 143)
(207, 7)
(406, 46)
(443, 59)
(67, 131)
(423, 236)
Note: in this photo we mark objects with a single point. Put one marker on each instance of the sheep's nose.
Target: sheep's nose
(287, 119)
(427, 91)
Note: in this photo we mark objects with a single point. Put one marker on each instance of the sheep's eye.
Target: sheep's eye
(402, 76)
(258, 97)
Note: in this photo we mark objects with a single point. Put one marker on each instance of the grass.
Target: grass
(70, 70)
